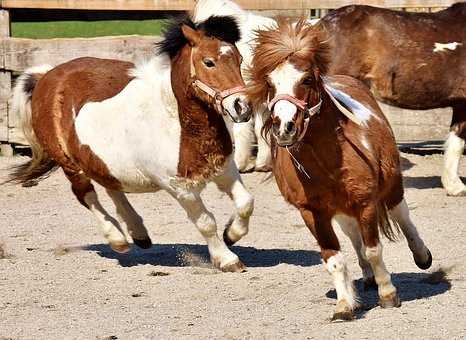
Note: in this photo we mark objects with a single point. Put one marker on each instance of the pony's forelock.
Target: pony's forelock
(224, 28)
(288, 39)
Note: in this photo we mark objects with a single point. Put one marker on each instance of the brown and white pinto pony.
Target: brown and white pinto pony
(334, 157)
(159, 125)
(410, 60)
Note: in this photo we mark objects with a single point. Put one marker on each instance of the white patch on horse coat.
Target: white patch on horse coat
(439, 47)
(226, 49)
(454, 147)
(141, 125)
(359, 110)
(365, 143)
(336, 266)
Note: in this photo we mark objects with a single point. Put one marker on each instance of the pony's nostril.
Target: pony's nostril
(289, 127)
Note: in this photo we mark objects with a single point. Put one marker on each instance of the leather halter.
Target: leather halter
(300, 104)
(218, 96)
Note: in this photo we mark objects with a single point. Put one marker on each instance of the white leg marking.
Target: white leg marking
(244, 138)
(451, 181)
(349, 225)
(336, 266)
(126, 212)
(400, 214)
(230, 182)
(220, 255)
(264, 156)
(381, 274)
(108, 225)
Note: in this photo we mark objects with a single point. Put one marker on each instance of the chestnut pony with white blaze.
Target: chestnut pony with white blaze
(334, 157)
(159, 125)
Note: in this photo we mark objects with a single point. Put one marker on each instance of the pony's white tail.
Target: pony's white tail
(41, 164)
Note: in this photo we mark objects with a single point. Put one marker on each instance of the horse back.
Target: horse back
(57, 99)
(412, 60)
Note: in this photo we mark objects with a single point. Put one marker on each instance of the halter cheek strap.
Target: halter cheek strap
(218, 96)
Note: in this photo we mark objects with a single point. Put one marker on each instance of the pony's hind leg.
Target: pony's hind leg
(134, 222)
(264, 155)
(349, 226)
(230, 182)
(421, 254)
(388, 296)
(221, 257)
(86, 195)
(320, 226)
(454, 148)
(243, 134)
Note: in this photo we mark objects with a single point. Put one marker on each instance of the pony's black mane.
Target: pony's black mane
(224, 28)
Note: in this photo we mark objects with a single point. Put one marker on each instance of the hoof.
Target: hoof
(144, 243)
(236, 267)
(228, 241)
(424, 265)
(120, 247)
(343, 312)
(370, 284)
(390, 301)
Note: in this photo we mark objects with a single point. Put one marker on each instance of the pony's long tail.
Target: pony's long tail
(41, 165)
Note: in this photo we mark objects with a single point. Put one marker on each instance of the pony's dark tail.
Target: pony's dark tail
(387, 226)
(41, 165)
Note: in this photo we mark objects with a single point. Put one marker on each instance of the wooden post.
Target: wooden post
(5, 76)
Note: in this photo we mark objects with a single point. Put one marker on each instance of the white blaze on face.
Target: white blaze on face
(284, 78)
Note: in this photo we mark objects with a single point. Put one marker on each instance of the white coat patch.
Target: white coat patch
(439, 47)
(225, 49)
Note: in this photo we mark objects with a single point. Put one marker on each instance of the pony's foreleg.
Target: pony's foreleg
(230, 182)
(454, 148)
(221, 257)
(320, 226)
(86, 195)
(264, 156)
(422, 255)
(243, 134)
(368, 222)
(349, 226)
(134, 222)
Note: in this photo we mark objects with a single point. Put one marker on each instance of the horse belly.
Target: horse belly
(141, 152)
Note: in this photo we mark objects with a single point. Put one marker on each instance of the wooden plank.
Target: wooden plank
(19, 54)
(166, 5)
(5, 78)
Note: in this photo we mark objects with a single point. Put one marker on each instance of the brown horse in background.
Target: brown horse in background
(409, 60)
(334, 157)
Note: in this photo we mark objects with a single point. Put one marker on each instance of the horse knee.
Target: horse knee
(246, 205)
(81, 186)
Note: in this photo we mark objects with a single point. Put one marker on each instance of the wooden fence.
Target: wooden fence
(18, 54)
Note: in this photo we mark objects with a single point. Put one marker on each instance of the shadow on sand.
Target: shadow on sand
(410, 286)
(182, 255)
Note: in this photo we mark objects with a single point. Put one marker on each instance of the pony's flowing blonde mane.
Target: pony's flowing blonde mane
(303, 44)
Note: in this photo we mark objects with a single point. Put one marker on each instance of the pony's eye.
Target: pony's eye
(308, 81)
(208, 62)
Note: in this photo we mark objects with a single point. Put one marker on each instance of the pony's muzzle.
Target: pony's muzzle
(284, 123)
(238, 107)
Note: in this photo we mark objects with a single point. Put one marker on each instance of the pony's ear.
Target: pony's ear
(191, 35)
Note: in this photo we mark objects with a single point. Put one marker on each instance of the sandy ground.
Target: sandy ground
(59, 280)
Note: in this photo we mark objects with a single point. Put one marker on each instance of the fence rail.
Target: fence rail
(167, 5)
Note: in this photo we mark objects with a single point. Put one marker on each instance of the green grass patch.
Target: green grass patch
(85, 29)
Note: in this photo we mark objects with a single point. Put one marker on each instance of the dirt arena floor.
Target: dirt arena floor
(59, 280)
